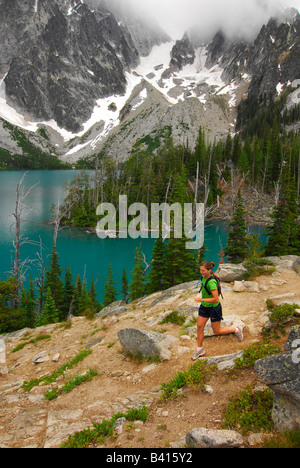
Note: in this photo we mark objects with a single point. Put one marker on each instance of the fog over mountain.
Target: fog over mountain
(234, 17)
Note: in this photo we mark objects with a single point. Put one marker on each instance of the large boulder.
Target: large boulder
(281, 373)
(246, 286)
(296, 265)
(3, 368)
(229, 272)
(213, 438)
(284, 261)
(146, 344)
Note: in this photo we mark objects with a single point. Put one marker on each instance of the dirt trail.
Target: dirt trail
(30, 420)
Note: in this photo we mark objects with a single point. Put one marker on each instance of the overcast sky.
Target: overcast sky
(234, 16)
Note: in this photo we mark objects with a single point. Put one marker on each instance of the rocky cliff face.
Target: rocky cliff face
(272, 58)
(183, 53)
(67, 61)
(60, 57)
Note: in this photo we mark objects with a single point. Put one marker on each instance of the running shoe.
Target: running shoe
(199, 352)
(239, 334)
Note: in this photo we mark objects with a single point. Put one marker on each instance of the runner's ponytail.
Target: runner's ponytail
(208, 265)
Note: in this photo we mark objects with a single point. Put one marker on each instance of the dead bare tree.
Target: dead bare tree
(207, 180)
(59, 212)
(20, 267)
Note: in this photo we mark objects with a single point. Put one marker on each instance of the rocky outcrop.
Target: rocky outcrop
(245, 286)
(3, 368)
(183, 53)
(116, 308)
(60, 57)
(229, 272)
(282, 374)
(271, 58)
(284, 261)
(147, 344)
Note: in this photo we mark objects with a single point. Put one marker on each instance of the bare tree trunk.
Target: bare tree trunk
(207, 180)
(59, 214)
(277, 192)
(18, 266)
(17, 214)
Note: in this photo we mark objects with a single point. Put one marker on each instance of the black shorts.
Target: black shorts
(214, 313)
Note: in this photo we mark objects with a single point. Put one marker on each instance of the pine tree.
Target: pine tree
(227, 148)
(237, 241)
(243, 162)
(93, 295)
(158, 267)
(138, 282)
(284, 234)
(180, 263)
(237, 149)
(77, 295)
(124, 289)
(53, 280)
(49, 313)
(28, 303)
(110, 293)
(69, 289)
(85, 301)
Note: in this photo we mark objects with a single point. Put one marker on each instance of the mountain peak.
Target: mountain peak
(74, 66)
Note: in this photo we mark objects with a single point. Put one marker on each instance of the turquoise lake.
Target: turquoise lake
(85, 253)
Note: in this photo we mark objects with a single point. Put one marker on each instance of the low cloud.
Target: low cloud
(234, 17)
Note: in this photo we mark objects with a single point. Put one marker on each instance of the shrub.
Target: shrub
(286, 439)
(257, 267)
(280, 314)
(254, 352)
(173, 317)
(196, 376)
(250, 411)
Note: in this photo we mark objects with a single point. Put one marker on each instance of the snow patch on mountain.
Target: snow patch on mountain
(193, 81)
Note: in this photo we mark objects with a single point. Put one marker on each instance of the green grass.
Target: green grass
(33, 341)
(196, 377)
(97, 434)
(27, 386)
(68, 387)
